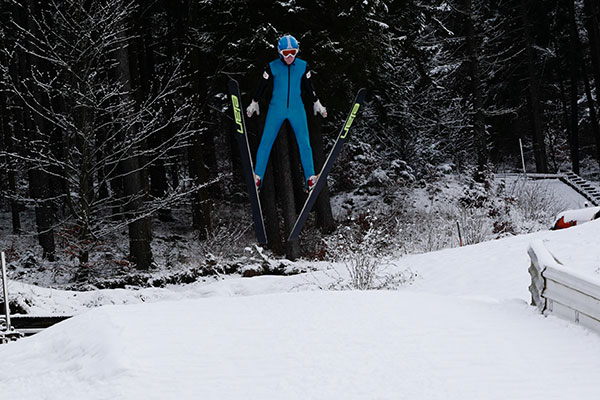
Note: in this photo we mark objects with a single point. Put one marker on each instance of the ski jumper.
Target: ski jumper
(286, 103)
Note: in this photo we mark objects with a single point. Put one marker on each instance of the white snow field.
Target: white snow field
(462, 330)
(570, 198)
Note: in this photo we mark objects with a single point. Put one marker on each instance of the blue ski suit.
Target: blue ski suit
(286, 103)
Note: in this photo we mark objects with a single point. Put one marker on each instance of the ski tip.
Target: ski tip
(362, 93)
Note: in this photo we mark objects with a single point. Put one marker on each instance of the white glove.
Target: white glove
(253, 108)
(319, 109)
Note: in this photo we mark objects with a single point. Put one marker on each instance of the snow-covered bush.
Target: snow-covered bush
(436, 228)
(402, 172)
(362, 251)
(369, 273)
(474, 224)
(533, 201)
(223, 240)
(427, 217)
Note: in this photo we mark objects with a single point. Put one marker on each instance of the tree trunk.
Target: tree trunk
(10, 172)
(572, 62)
(58, 182)
(147, 74)
(479, 131)
(533, 98)
(268, 198)
(135, 59)
(101, 173)
(39, 191)
(38, 179)
(591, 17)
(9, 132)
(85, 186)
(118, 193)
(133, 182)
(591, 107)
(592, 25)
(285, 189)
(200, 203)
(566, 115)
(201, 207)
(298, 178)
(202, 87)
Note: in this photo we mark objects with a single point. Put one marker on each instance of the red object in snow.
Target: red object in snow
(569, 218)
(561, 224)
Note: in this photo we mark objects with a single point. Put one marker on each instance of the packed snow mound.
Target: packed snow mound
(67, 359)
(321, 345)
(579, 216)
(577, 247)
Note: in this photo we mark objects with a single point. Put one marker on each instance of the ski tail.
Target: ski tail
(333, 154)
(241, 136)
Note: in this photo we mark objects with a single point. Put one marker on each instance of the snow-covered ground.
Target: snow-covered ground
(571, 198)
(462, 330)
(566, 195)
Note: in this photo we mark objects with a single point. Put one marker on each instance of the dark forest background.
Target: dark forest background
(114, 113)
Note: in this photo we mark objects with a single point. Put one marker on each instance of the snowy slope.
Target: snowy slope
(568, 197)
(321, 345)
(571, 198)
(462, 330)
(498, 269)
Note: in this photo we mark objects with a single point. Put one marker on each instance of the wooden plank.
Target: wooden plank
(537, 300)
(535, 175)
(561, 311)
(567, 313)
(36, 321)
(537, 280)
(567, 293)
(30, 331)
(590, 323)
(574, 299)
(535, 262)
(574, 279)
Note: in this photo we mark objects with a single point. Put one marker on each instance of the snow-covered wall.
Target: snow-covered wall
(562, 291)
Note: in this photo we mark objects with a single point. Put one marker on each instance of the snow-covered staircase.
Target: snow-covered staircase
(583, 187)
(588, 190)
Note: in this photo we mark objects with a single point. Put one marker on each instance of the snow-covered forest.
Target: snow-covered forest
(427, 268)
(116, 137)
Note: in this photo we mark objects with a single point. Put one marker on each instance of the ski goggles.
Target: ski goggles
(289, 52)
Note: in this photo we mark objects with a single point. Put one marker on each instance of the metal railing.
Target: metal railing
(562, 291)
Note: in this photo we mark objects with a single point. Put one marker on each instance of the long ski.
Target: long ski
(241, 135)
(333, 154)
